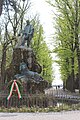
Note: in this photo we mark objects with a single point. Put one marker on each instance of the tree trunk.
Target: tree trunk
(78, 52)
(77, 23)
(72, 76)
(3, 65)
(1, 5)
(78, 56)
(0, 75)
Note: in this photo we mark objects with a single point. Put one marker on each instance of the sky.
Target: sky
(48, 21)
(44, 10)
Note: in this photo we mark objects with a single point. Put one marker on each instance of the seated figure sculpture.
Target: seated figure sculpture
(26, 73)
(26, 34)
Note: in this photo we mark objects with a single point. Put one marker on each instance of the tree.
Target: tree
(42, 51)
(14, 14)
(68, 32)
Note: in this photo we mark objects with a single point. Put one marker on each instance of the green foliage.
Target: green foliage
(67, 31)
(42, 52)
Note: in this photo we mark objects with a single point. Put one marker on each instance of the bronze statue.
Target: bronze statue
(27, 34)
(27, 74)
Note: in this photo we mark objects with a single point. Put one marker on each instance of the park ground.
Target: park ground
(69, 115)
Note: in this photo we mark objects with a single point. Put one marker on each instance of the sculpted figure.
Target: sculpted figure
(27, 34)
(25, 72)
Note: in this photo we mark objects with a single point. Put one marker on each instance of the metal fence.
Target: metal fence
(40, 100)
(50, 98)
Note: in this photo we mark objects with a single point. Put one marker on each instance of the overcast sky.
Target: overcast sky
(46, 17)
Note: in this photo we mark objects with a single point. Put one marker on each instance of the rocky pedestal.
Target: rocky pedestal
(31, 81)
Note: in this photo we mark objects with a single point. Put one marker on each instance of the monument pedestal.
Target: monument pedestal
(33, 83)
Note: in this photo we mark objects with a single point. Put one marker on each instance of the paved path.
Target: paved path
(71, 115)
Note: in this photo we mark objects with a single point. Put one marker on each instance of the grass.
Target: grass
(34, 109)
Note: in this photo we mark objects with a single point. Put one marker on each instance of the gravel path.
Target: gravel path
(71, 115)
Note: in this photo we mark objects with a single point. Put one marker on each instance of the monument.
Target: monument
(24, 66)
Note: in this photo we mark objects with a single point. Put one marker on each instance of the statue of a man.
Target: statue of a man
(27, 34)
